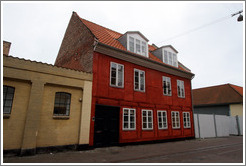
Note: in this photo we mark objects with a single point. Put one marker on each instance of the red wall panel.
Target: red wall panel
(152, 99)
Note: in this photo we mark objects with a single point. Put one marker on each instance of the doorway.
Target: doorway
(106, 129)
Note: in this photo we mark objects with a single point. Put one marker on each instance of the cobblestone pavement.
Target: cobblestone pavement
(212, 150)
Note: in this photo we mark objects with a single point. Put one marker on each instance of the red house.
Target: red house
(140, 91)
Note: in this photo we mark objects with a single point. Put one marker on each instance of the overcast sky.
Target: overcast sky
(208, 39)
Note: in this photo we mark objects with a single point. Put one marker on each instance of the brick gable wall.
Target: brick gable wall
(76, 50)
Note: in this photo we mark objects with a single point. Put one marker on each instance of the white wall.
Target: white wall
(207, 126)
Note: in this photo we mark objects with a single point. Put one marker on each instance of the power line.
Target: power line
(197, 28)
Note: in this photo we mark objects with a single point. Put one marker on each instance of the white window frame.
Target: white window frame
(180, 84)
(142, 43)
(129, 122)
(186, 117)
(147, 122)
(166, 78)
(175, 119)
(163, 127)
(139, 85)
(171, 58)
(117, 75)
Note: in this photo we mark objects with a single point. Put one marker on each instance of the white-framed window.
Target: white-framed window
(129, 119)
(175, 119)
(139, 80)
(166, 83)
(186, 119)
(116, 75)
(137, 45)
(170, 58)
(162, 119)
(147, 119)
(180, 88)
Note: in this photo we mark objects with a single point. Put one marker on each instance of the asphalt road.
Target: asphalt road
(212, 150)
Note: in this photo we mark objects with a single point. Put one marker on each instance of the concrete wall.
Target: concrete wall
(31, 123)
(236, 109)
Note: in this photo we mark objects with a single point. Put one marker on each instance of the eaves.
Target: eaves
(141, 60)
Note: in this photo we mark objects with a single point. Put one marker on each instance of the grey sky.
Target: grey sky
(214, 53)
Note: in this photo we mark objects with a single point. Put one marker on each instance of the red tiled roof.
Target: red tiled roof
(221, 94)
(239, 89)
(109, 37)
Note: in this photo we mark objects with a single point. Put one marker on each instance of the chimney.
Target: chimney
(6, 48)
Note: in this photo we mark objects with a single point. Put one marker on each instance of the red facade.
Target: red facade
(151, 99)
(89, 47)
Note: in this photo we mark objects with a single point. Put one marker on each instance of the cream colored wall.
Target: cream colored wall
(55, 132)
(236, 109)
(13, 126)
(31, 123)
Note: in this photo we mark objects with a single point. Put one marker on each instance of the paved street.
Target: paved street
(213, 150)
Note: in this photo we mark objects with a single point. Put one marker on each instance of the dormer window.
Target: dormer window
(137, 46)
(170, 58)
(167, 54)
(135, 42)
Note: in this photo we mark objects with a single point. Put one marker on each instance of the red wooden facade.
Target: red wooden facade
(152, 99)
(89, 47)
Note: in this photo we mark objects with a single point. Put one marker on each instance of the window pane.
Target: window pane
(131, 44)
(137, 46)
(62, 103)
(141, 80)
(149, 113)
(125, 112)
(144, 119)
(144, 113)
(125, 118)
(175, 60)
(132, 125)
(150, 125)
(144, 48)
(6, 110)
(165, 57)
(113, 81)
(144, 125)
(125, 125)
(120, 75)
(170, 58)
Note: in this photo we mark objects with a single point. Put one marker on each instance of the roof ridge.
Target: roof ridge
(99, 25)
(211, 86)
(234, 88)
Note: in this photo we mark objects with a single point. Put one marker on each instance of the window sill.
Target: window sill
(143, 91)
(6, 116)
(114, 86)
(60, 117)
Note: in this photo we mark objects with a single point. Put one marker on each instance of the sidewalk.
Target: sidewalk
(212, 150)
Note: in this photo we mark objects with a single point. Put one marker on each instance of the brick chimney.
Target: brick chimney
(6, 47)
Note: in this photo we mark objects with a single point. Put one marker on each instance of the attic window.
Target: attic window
(137, 45)
(170, 58)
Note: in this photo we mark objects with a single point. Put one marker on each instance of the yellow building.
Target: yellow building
(44, 107)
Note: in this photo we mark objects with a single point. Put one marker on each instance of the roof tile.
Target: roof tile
(109, 37)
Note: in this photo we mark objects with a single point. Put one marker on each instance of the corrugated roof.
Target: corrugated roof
(109, 37)
(215, 95)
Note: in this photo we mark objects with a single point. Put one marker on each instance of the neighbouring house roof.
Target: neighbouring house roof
(217, 95)
(110, 38)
